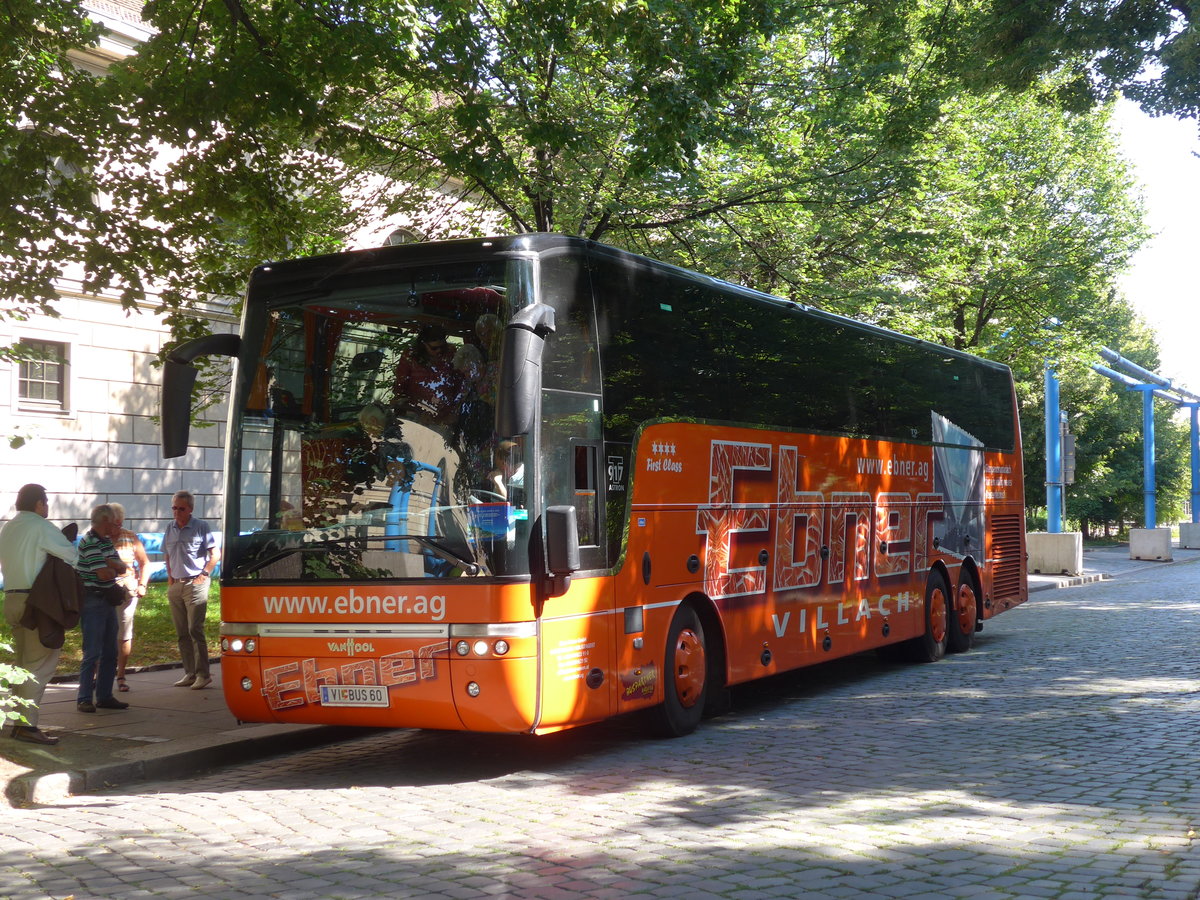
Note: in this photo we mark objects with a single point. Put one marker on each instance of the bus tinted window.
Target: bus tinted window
(571, 362)
(674, 347)
(663, 346)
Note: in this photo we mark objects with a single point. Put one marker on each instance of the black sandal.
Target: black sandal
(121, 685)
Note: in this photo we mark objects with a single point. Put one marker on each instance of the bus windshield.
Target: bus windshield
(366, 444)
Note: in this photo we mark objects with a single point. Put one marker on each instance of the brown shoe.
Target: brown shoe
(33, 735)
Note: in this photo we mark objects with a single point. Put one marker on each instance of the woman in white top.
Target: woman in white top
(137, 575)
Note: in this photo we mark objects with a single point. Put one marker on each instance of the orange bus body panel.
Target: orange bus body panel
(805, 547)
(740, 517)
(310, 636)
(579, 635)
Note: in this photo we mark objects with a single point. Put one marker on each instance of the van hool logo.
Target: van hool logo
(350, 647)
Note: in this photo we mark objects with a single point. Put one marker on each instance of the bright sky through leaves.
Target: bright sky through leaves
(1164, 283)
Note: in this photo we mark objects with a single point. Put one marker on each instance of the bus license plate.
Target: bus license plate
(354, 695)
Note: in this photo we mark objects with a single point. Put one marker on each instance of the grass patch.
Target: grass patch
(1102, 543)
(154, 639)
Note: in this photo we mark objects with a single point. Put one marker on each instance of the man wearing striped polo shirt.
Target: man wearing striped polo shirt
(98, 566)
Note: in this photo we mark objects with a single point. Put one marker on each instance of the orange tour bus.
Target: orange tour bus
(524, 483)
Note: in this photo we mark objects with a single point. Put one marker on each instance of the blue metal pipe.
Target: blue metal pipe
(1162, 389)
(1195, 409)
(1148, 476)
(1146, 375)
(1054, 486)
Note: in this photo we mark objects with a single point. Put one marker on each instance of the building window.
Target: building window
(42, 381)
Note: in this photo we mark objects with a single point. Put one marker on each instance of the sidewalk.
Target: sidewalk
(1102, 563)
(169, 732)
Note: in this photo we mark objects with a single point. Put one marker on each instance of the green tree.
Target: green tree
(558, 115)
(812, 151)
(1023, 214)
(712, 130)
(1145, 49)
(54, 152)
(770, 142)
(826, 152)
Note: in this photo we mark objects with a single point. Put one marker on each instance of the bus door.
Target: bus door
(577, 627)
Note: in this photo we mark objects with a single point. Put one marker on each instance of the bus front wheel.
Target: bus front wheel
(931, 646)
(685, 675)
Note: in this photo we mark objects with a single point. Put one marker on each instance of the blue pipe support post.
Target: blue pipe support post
(1194, 408)
(1148, 473)
(1054, 469)
(1164, 389)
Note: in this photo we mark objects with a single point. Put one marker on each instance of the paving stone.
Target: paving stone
(1056, 761)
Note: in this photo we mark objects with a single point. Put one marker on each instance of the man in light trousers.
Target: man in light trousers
(24, 542)
(191, 554)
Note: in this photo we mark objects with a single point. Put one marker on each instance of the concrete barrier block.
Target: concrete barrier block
(1189, 535)
(1150, 543)
(1054, 554)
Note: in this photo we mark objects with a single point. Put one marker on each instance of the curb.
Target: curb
(34, 788)
(155, 667)
(1068, 581)
(1049, 580)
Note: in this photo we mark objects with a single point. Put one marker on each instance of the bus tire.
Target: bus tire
(685, 676)
(964, 613)
(931, 646)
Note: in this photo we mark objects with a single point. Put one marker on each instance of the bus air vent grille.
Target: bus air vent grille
(1007, 563)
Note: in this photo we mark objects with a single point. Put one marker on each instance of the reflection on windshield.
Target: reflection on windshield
(367, 445)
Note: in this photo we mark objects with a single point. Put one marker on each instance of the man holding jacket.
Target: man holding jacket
(25, 541)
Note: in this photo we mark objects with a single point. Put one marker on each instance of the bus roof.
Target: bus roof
(287, 276)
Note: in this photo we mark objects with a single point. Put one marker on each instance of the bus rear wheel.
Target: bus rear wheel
(685, 676)
(964, 613)
(931, 646)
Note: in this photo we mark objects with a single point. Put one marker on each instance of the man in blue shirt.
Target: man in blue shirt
(191, 554)
(98, 566)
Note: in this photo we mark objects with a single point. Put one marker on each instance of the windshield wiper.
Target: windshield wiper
(439, 550)
(278, 550)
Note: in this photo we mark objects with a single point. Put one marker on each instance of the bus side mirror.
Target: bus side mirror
(175, 407)
(179, 376)
(562, 548)
(521, 368)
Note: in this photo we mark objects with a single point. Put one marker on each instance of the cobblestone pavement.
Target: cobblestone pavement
(1058, 759)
